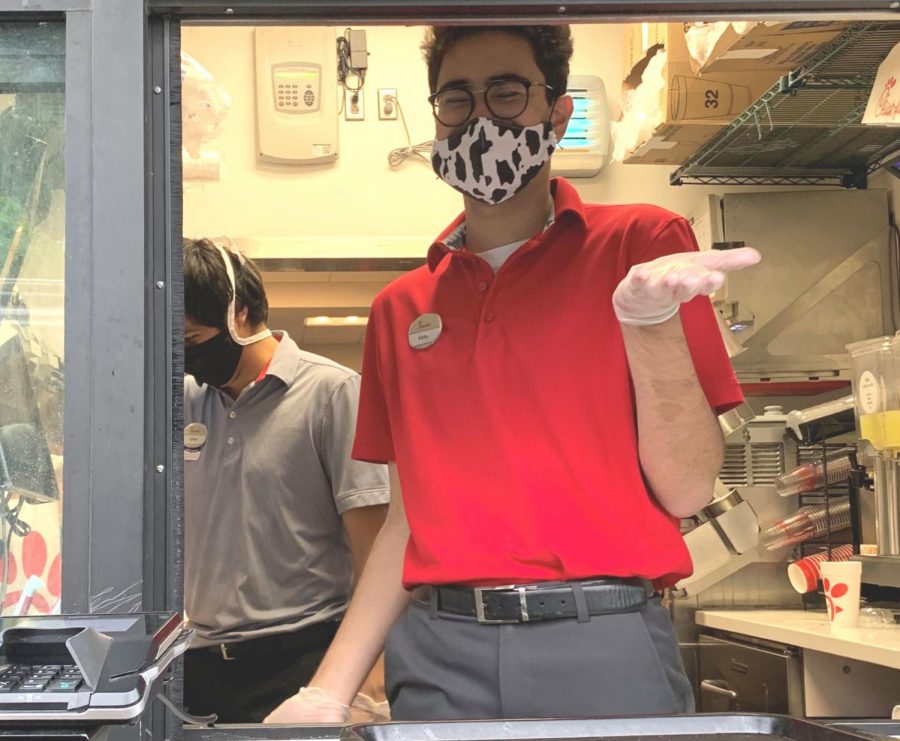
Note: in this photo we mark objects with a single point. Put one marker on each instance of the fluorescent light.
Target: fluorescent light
(336, 321)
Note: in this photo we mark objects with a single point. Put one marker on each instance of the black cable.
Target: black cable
(344, 70)
(343, 61)
(17, 526)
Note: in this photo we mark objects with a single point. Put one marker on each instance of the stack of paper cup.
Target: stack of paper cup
(841, 582)
(804, 574)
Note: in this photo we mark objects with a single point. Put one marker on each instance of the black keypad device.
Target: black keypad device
(85, 668)
(54, 678)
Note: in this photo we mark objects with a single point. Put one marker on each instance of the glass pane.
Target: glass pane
(32, 246)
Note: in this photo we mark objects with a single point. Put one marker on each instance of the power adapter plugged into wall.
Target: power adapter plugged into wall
(353, 105)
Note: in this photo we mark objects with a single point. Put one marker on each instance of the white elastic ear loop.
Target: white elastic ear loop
(229, 315)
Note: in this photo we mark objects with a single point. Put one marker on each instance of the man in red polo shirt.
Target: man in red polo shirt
(545, 392)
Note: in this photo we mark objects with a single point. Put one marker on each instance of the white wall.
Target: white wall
(360, 195)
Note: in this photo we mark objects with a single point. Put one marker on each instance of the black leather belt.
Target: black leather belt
(305, 639)
(544, 601)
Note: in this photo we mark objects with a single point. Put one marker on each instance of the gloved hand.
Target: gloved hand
(309, 705)
(652, 291)
(364, 709)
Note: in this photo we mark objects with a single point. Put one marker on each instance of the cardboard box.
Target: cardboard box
(672, 144)
(883, 108)
(695, 107)
(708, 97)
(778, 47)
(637, 39)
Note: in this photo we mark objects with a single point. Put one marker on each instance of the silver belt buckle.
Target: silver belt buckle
(223, 649)
(479, 605)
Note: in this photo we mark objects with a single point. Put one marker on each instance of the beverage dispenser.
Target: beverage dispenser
(876, 390)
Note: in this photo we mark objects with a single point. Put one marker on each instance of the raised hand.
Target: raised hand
(652, 291)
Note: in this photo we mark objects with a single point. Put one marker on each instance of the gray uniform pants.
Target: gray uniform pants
(448, 667)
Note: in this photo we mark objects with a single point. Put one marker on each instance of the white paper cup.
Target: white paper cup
(841, 584)
(804, 574)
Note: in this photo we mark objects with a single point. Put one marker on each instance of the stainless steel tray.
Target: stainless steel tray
(699, 727)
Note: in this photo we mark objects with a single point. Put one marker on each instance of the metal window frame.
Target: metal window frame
(121, 523)
(105, 426)
(109, 470)
(9, 7)
(512, 11)
(164, 528)
(117, 549)
(470, 11)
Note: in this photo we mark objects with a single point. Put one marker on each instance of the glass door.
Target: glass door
(32, 352)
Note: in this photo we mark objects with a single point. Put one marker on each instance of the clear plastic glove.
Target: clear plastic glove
(309, 705)
(652, 291)
(364, 709)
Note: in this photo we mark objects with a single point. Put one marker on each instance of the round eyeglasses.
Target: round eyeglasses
(505, 99)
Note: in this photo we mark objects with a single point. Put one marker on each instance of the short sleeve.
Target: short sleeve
(353, 483)
(701, 328)
(373, 442)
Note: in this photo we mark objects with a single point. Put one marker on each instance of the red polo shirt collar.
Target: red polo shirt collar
(565, 199)
(264, 372)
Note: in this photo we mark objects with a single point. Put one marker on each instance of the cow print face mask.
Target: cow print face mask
(492, 161)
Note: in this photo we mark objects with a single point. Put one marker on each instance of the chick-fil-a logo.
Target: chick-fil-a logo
(834, 592)
(888, 106)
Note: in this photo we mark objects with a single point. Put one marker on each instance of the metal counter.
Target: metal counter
(699, 727)
(260, 732)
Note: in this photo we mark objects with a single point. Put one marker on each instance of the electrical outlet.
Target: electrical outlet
(387, 103)
(353, 105)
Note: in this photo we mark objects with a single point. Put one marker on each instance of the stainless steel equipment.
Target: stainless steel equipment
(827, 278)
(737, 676)
(887, 505)
(797, 419)
(884, 568)
(736, 419)
(717, 727)
(735, 520)
(758, 451)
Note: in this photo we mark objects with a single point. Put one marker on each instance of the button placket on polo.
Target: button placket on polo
(482, 278)
(231, 422)
(485, 287)
(232, 449)
(489, 307)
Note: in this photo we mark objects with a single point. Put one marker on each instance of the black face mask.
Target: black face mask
(213, 361)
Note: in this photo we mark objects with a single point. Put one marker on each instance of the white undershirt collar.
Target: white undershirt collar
(496, 256)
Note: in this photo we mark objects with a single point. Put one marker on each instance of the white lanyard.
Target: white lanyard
(229, 315)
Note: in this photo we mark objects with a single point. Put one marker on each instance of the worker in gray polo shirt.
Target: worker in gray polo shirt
(279, 519)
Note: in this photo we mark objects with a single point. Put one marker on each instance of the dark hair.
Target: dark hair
(551, 46)
(207, 290)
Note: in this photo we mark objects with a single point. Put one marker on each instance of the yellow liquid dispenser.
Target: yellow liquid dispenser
(876, 391)
(882, 429)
